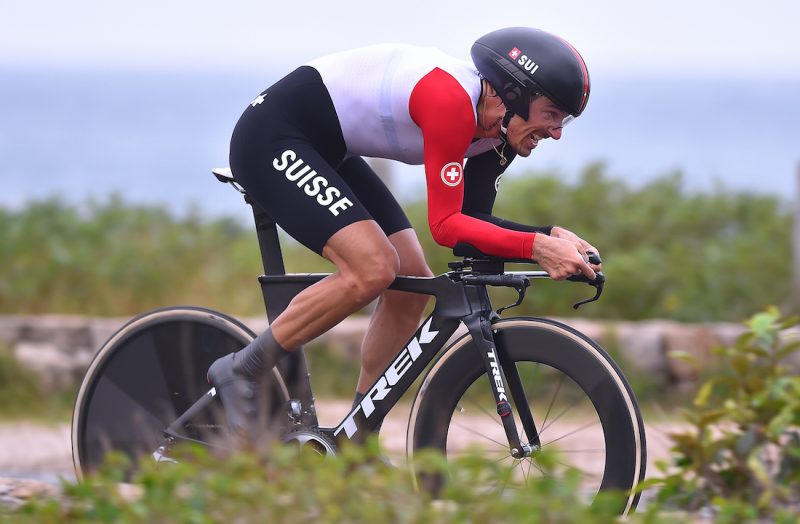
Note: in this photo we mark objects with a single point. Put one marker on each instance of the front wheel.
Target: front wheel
(146, 375)
(582, 406)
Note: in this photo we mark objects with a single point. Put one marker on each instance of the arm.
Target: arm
(480, 189)
(561, 254)
(443, 111)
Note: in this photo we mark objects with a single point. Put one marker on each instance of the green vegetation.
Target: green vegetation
(740, 455)
(23, 397)
(113, 258)
(668, 253)
(287, 486)
(738, 462)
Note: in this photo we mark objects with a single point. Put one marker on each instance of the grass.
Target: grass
(23, 397)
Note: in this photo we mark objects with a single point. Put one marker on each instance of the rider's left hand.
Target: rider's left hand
(582, 245)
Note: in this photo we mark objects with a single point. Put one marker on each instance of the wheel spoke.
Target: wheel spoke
(581, 428)
(524, 475)
(504, 457)
(476, 433)
(552, 402)
(563, 412)
(537, 466)
(577, 403)
(482, 409)
(583, 472)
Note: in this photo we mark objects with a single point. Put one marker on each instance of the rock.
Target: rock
(14, 493)
(696, 340)
(596, 330)
(726, 333)
(101, 329)
(640, 346)
(9, 329)
(56, 369)
(60, 348)
(68, 333)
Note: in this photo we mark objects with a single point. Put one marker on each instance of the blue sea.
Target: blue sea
(153, 137)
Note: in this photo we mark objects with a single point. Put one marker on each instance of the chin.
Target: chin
(523, 152)
(515, 149)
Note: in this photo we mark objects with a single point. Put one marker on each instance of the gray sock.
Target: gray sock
(259, 356)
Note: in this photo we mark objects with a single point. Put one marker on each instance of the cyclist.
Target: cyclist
(297, 150)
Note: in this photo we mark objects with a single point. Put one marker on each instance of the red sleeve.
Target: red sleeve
(444, 113)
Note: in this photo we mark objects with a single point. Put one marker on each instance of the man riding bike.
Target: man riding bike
(297, 150)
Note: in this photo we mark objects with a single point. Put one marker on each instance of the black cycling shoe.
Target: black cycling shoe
(239, 395)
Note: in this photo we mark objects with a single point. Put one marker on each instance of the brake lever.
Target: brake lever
(519, 288)
(598, 283)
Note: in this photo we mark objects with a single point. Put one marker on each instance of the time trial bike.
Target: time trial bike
(510, 386)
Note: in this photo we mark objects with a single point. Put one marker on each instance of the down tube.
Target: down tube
(396, 378)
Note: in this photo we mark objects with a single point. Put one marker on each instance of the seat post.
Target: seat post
(294, 367)
(268, 242)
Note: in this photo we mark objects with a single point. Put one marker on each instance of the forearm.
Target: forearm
(508, 224)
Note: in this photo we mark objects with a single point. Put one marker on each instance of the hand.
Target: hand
(561, 258)
(583, 246)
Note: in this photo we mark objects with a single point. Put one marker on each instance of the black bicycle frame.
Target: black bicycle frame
(459, 297)
(455, 302)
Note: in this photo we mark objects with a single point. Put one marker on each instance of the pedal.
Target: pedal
(295, 411)
(160, 455)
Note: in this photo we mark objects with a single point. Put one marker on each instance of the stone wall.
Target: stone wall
(59, 348)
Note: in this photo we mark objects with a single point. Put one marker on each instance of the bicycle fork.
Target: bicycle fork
(503, 377)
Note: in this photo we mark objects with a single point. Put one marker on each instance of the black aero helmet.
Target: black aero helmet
(522, 61)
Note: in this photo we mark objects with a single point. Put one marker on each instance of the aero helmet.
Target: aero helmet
(520, 62)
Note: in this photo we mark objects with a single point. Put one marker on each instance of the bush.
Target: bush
(22, 395)
(740, 456)
(668, 253)
(304, 487)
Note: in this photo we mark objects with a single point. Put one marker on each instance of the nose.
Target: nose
(555, 133)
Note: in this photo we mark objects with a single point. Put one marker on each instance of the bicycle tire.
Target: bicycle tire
(439, 419)
(148, 373)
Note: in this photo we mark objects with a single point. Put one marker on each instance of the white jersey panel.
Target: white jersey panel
(371, 87)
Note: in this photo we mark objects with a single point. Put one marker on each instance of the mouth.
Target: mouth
(533, 140)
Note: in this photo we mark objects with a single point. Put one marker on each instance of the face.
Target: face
(544, 121)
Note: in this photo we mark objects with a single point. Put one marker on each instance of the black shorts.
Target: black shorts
(288, 153)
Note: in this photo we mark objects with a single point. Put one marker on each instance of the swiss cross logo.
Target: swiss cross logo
(514, 53)
(452, 174)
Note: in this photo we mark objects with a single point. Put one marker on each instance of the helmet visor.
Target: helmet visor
(567, 119)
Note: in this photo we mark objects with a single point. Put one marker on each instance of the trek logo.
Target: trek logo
(311, 183)
(523, 60)
(498, 381)
(390, 378)
(452, 174)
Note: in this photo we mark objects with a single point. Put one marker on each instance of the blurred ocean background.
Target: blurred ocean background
(153, 137)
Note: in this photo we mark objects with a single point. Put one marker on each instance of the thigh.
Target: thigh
(409, 251)
(375, 196)
(299, 189)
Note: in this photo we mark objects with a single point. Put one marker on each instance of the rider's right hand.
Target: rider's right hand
(560, 258)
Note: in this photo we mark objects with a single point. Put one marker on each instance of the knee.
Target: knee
(374, 273)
